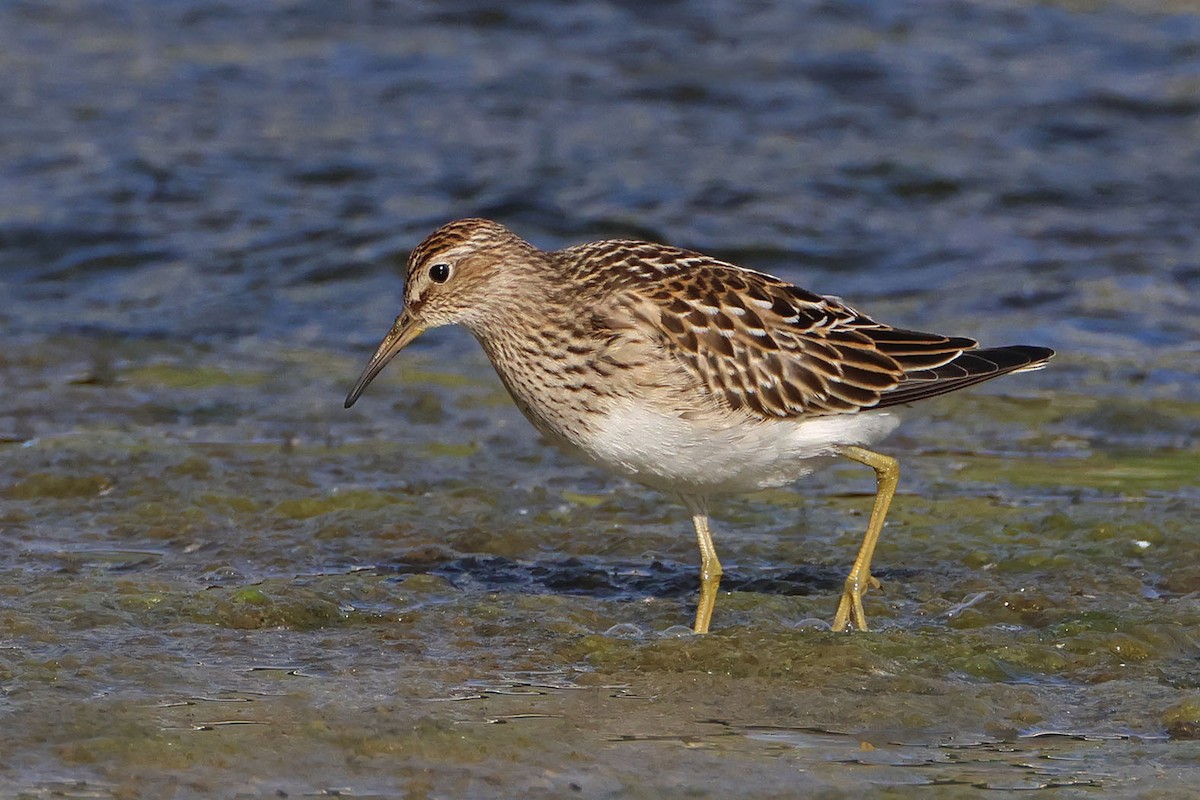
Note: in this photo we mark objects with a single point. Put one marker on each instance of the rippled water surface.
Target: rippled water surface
(216, 581)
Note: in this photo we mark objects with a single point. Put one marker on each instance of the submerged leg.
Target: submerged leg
(710, 567)
(887, 474)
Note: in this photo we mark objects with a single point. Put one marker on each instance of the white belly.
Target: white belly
(707, 457)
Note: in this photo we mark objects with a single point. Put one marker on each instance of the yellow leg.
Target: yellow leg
(887, 475)
(710, 572)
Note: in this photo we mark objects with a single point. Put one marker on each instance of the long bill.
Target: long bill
(401, 334)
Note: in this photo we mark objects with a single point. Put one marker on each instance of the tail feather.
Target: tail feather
(970, 368)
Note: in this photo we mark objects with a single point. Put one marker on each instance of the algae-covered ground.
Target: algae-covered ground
(217, 582)
(418, 598)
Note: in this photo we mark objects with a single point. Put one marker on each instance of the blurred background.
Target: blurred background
(205, 209)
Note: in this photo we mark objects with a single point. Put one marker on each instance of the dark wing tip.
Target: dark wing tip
(970, 368)
(1012, 358)
(1033, 353)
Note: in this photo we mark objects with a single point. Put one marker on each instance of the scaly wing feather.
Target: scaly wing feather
(775, 350)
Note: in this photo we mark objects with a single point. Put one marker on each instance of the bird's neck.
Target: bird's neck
(532, 298)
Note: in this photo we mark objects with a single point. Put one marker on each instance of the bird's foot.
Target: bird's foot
(850, 607)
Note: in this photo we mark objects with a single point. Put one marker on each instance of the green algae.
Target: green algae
(59, 486)
(1133, 473)
(194, 377)
(450, 450)
(1182, 719)
(355, 500)
(585, 500)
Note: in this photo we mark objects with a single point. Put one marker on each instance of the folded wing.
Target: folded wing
(774, 350)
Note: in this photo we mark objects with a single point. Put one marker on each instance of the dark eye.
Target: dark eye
(439, 273)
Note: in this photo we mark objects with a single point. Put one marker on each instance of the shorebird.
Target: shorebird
(686, 373)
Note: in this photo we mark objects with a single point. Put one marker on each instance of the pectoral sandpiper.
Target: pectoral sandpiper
(683, 372)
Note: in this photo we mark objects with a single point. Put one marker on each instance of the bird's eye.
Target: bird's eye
(439, 273)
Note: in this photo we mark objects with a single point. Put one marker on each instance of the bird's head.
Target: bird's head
(460, 275)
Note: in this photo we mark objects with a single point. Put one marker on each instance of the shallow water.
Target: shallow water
(216, 581)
